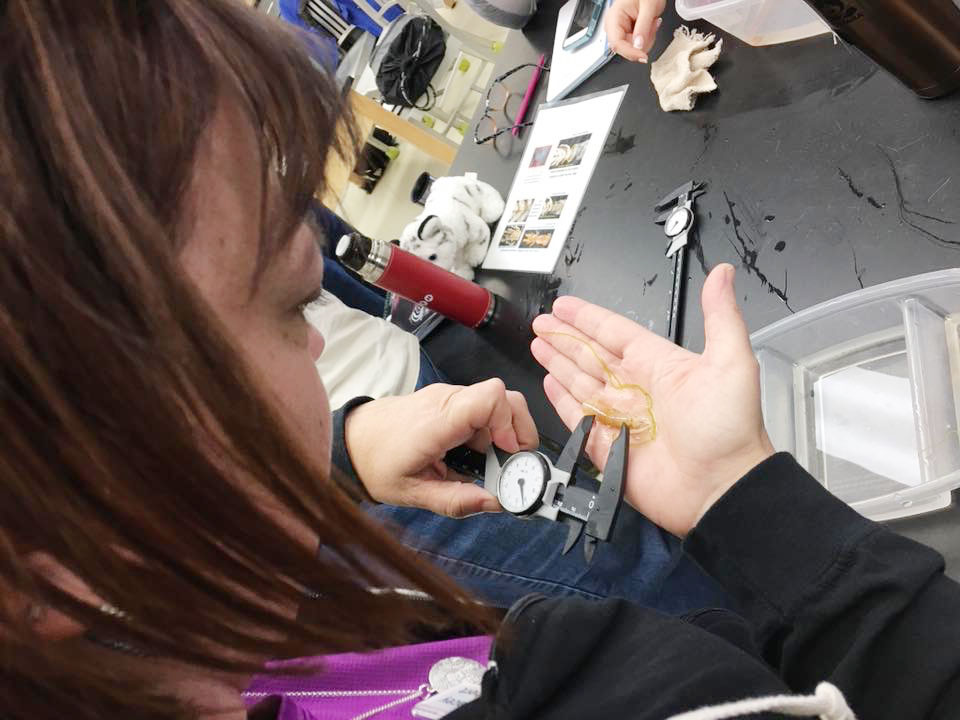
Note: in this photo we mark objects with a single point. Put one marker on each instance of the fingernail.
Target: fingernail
(638, 42)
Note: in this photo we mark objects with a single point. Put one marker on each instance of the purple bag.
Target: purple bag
(381, 685)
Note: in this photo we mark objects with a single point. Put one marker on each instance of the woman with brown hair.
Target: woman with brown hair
(164, 437)
(165, 444)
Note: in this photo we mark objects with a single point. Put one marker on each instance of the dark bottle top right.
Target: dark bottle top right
(916, 40)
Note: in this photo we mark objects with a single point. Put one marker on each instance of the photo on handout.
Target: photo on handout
(540, 156)
(511, 236)
(552, 207)
(536, 238)
(521, 210)
(569, 152)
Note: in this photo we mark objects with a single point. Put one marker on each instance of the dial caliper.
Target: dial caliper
(529, 485)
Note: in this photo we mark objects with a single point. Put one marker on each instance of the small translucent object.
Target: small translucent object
(619, 403)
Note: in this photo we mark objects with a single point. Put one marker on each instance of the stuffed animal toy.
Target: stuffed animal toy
(453, 231)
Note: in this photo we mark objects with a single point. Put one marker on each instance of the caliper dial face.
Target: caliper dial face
(678, 221)
(522, 481)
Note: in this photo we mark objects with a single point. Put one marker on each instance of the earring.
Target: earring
(112, 611)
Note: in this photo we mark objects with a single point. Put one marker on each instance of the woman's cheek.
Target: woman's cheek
(312, 406)
(324, 427)
(302, 404)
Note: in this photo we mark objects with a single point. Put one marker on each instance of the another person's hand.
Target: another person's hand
(707, 407)
(631, 27)
(397, 444)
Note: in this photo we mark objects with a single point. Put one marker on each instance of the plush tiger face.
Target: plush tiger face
(432, 241)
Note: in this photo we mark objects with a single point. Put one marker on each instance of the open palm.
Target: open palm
(707, 407)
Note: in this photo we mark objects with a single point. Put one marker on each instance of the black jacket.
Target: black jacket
(825, 593)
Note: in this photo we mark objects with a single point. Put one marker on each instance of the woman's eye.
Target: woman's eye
(315, 299)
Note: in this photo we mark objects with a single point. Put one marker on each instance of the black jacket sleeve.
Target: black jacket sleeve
(834, 596)
(342, 465)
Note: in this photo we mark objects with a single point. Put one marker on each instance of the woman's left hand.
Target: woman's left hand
(710, 429)
(397, 444)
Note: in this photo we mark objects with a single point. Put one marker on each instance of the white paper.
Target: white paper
(444, 703)
(558, 161)
(569, 68)
(866, 417)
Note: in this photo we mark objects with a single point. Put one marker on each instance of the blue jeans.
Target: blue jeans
(429, 374)
(501, 558)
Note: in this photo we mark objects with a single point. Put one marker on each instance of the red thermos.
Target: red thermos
(386, 265)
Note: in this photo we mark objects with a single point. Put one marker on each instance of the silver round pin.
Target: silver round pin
(453, 671)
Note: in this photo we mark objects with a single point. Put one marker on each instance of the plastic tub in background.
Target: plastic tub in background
(757, 22)
(863, 390)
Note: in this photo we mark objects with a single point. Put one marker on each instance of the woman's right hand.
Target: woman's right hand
(631, 27)
(397, 444)
(709, 427)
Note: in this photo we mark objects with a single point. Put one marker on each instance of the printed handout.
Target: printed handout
(565, 143)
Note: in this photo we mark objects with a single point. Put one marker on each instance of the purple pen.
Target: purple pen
(528, 95)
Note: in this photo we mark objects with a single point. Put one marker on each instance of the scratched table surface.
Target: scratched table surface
(824, 175)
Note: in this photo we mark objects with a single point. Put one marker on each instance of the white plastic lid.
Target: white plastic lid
(861, 389)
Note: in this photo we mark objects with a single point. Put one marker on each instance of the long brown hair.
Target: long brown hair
(126, 417)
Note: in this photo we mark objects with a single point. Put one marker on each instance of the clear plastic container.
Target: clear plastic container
(863, 390)
(757, 22)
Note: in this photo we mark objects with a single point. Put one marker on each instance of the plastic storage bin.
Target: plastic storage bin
(757, 22)
(863, 390)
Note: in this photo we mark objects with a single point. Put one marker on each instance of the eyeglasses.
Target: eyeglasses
(500, 107)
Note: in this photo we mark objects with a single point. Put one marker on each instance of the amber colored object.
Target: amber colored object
(614, 418)
(613, 414)
(916, 40)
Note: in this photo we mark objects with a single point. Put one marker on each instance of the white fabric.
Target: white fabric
(362, 355)
(680, 74)
(827, 703)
